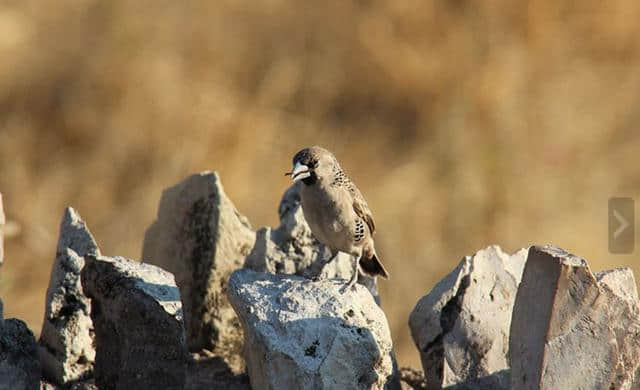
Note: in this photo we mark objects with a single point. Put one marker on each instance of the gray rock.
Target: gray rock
(292, 249)
(571, 331)
(307, 335)
(201, 238)
(620, 281)
(66, 346)
(461, 328)
(2, 223)
(139, 331)
(19, 365)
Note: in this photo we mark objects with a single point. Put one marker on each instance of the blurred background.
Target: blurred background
(464, 123)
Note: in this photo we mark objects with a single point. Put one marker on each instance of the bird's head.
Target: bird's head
(312, 164)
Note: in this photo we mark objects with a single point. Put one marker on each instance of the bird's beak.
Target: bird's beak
(300, 171)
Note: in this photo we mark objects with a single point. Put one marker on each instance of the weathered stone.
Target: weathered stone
(19, 365)
(139, 331)
(307, 335)
(2, 222)
(570, 331)
(461, 328)
(620, 281)
(411, 379)
(201, 238)
(292, 248)
(66, 342)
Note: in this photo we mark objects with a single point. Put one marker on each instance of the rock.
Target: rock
(412, 379)
(307, 335)
(620, 281)
(201, 238)
(571, 330)
(66, 347)
(139, 331)
(292, 248)
(19, 365)
(2, 222)
(461, 328)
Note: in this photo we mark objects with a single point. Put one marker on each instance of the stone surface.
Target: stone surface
(211, 372)
(411, 379)
(620, 281)
(292, 249)
(571, 330)
(139, 330)
(307, 335)
(66, 347)
(461, 328)
(2, 223)
(19, 365)
(201, 238)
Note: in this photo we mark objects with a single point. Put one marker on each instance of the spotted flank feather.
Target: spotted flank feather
(359, 233)
(340, 179)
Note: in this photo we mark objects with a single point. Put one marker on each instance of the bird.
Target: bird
(336, 211)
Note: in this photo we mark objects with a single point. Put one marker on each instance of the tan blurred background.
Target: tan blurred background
(464, 123)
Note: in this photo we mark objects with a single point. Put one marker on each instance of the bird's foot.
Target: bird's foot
(350, 285)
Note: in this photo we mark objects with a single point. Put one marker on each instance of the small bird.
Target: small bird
(336, 211)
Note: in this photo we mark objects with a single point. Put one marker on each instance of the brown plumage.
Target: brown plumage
(336, 211)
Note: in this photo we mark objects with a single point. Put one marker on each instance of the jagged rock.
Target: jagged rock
(307, 335)
(19, 365)
(2, 222)
(66, 347)
(571, 330)
(461, 328)
(620, 281)
(139, 331)
(201, 238)
(292, 249)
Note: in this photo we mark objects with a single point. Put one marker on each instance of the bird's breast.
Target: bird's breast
(329, 215)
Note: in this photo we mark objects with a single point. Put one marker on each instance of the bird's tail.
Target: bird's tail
(372, 266)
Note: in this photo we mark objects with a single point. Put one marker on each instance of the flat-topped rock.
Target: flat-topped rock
(572, 329)
(139, 329)
(307, 335)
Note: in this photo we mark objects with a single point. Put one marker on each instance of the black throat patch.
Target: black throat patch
(311, 180)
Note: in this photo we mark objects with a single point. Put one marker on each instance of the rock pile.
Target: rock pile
(538, 318)
(201, 238)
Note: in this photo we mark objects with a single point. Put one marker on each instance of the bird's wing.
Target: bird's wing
(360, 206)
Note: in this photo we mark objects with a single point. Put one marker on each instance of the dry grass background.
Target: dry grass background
(465, 123)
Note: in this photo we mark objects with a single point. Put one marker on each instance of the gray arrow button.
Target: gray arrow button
(621, 225)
